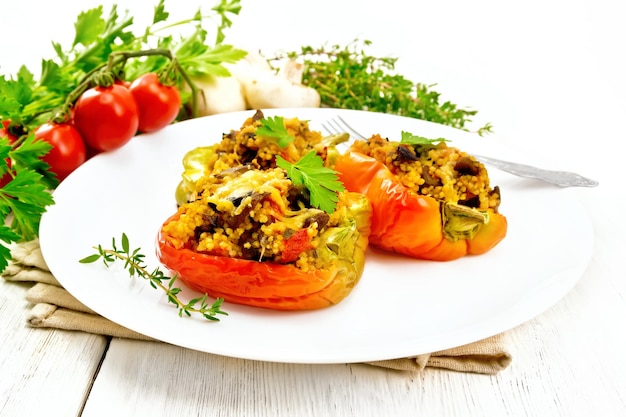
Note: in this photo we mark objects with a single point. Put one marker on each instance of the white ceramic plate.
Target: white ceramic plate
(401, 306)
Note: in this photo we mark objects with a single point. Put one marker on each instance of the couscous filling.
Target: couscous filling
(246, 147)
(435, 170)
(256, 215)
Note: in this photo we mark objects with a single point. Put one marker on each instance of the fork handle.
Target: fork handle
(562, 178)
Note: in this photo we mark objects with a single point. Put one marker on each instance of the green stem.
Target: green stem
(103, 75)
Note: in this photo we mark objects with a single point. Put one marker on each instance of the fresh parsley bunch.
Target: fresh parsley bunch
(27, 101)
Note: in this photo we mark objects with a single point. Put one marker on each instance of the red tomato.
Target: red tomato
(106, 117)
(4, 133)
(297, 243)
(158, 104)
(68, 149)
(7, 177)
(123, 83)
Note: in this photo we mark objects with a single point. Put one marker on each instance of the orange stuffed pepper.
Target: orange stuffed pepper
(430, 201)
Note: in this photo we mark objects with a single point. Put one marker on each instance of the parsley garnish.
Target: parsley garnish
(25, 196)
(274, 127)
(322, 182)
(411, 139)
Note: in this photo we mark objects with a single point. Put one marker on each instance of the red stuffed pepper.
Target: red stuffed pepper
(251, 237)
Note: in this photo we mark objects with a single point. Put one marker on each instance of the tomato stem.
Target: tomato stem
(106, 74)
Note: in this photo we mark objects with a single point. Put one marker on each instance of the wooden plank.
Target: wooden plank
(42, 371)
(554, 372)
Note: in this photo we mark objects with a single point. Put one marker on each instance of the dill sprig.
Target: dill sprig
(134, 263)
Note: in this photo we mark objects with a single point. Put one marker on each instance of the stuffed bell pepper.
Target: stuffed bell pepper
(430, 201)
(252, 236)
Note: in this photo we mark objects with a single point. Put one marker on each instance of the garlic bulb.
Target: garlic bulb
(219, 95)
(264, 88)
(254, 84)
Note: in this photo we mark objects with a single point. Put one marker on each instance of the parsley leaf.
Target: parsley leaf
(411, 139)
(28, 156)
(5, 148)
(27, 198)
(223, 9)
(88, 26)
(274, 127)
(7, 236)
(199, 59)
(322, 182)
(160, 14)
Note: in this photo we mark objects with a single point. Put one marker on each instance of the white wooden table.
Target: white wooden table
(548, 75)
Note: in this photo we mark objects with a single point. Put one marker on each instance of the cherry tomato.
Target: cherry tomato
(158, 104)
(4, 133)
(106, 117)
(123, 83)
(68, 148)
(7, 177)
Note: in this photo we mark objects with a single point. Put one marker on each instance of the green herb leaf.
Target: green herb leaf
(274, 127)
(28, 156)
(7, 236)
(27, 198)
(90, 259)
(198, 59)
(160, 14)
(223, 9)
(88, 26)
(30, 152)
(5, 148)
(412, 139)
(322, 182)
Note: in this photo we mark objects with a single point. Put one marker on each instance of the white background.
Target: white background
(539, 71)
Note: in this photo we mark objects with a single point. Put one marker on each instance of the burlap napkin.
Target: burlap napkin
(54, 307)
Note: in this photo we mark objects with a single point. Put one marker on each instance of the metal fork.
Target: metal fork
(560, 178)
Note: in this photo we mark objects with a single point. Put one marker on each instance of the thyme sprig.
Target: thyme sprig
(134, 263)
(349, 77)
